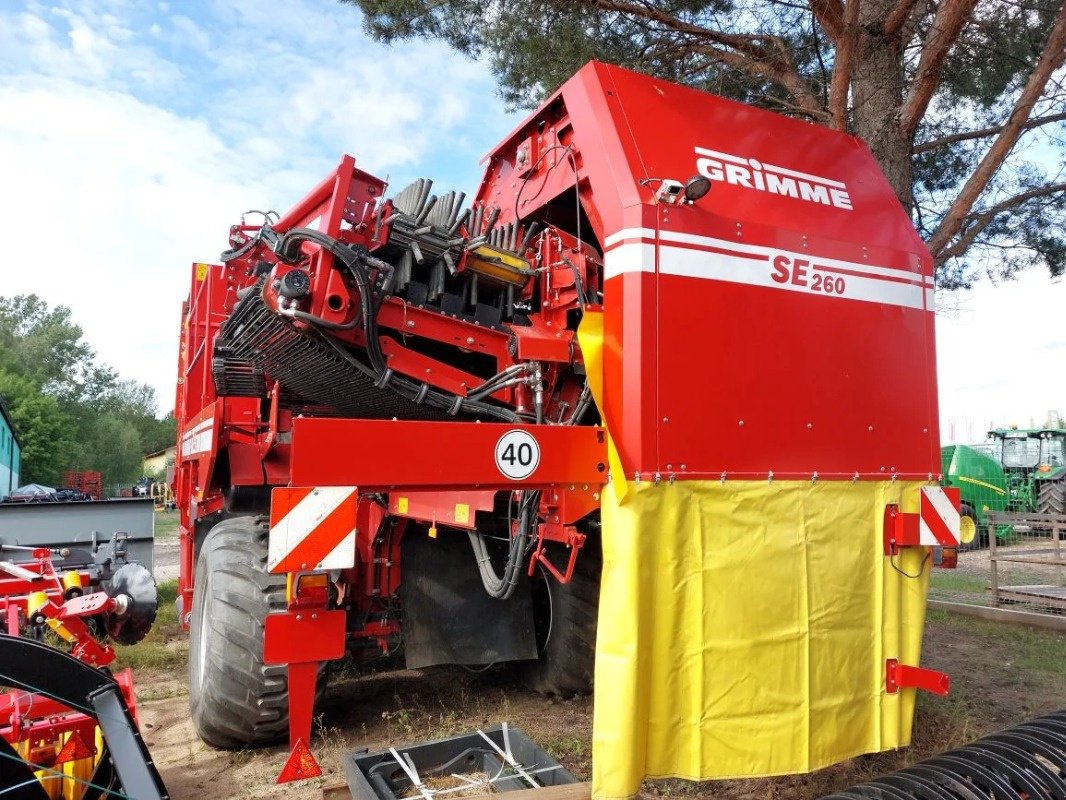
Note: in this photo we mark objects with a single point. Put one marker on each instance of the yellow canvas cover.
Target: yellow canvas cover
(744, 626)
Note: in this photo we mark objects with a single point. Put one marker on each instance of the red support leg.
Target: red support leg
(302, 679)
(302, 638)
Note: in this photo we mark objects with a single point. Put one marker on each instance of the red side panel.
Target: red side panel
(781, 324)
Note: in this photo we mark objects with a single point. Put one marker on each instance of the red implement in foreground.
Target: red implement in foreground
(387, 436)
(53, 740)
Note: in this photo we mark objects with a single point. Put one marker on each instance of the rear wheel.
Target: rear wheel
(1051, 497)
(565, 622)
(980, 538)
(235, 699)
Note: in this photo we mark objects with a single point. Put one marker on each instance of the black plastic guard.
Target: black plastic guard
(449, 618)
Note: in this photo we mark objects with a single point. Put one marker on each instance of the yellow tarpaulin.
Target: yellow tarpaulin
(744, 626)
(744, 629)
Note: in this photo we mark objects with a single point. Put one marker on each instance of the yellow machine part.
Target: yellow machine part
(744, 626)
(68, 781)
(744, 629)
(35, 602)
(498, 265)
(72, 580)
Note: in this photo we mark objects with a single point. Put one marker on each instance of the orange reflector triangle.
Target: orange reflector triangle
(300, 766)
(74, 750)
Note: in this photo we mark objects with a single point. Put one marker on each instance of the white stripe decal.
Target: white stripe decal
(733, 269)
(290, 531)
(767, 252)
(198, 439)
(342, 556)
(635, 257)
(738, 247)
(197, 443)
(940, 505)
(207, 423)
(705, 265)
(629, 233)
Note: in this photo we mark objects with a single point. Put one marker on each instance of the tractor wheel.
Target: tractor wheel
(1051, 498)
(980, 538)
(565, 624)
(235, 699)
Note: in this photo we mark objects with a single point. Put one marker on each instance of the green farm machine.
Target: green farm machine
(1034, 462)
(1019, 469)
(981, 481)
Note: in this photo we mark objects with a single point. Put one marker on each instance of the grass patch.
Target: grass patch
(165, 646)
(560, 747)
(957, 582)
(164, 693)
(1029, 649)
(166, 525)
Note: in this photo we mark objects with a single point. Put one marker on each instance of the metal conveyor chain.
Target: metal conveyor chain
(1026, 762)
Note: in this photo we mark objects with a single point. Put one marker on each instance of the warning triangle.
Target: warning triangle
(300, 766)
(75, 749)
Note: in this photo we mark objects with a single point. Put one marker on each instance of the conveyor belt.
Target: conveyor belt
(256, 342)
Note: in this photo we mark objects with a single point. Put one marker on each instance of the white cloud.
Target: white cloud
(1001, 356)
(131, 139)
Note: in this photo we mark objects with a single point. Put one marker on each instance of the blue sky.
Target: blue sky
(132, 134)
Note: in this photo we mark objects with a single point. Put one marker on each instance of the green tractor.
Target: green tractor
(982, 483)
(1034, 462)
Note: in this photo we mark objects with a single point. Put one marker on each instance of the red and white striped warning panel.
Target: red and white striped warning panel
(312, 528)
(940, 519)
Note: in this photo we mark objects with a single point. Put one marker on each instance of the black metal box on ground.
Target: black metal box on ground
(381, 776)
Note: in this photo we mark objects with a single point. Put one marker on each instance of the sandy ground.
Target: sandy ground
(166, 560)
(1000, 676)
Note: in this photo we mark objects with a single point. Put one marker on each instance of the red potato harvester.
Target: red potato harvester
(391, 436)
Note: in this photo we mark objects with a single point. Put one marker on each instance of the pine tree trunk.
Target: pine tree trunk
(877, 94)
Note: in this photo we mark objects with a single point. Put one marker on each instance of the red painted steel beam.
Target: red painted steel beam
(391, 453)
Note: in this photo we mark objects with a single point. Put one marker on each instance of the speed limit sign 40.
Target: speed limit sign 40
(517, 454)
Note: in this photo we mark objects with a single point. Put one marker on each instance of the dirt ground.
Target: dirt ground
(1000, 676)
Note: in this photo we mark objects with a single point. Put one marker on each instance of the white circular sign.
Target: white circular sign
(517, 454)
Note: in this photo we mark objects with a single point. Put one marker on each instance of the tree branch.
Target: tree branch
(1051, 59)
(748, 53)
(918, 13)
(980, 220)
(830, 15)
(982, 133)
(897, 17)
(948, 23)
(838, 88)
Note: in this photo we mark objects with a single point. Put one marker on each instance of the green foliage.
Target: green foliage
(71, 413)
(43, 345)
(111, 445)
(44, 430)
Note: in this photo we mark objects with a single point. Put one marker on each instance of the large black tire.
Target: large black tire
(1051, 496)
(235, 699)
(565, 622)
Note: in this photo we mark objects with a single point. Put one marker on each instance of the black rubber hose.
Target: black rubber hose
(502, 588)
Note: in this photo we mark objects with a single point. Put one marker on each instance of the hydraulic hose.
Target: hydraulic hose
(502, 588)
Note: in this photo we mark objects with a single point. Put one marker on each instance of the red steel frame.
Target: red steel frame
(744, 372)
(29, 718)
